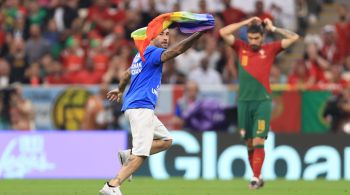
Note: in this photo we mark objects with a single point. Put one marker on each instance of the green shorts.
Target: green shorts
(254, 118)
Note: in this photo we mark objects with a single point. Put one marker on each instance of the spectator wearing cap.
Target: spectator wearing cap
(330, 51)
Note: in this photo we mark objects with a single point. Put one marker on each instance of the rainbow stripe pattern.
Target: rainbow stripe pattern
(187, 22)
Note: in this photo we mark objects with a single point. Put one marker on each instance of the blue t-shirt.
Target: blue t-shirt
(145, 80)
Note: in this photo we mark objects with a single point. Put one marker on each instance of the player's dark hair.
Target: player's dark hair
(256, 28)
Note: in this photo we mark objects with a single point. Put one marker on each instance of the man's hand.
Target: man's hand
(227, 32)
(289, 36)
(268, 25)
(251, 20)
(114, 95)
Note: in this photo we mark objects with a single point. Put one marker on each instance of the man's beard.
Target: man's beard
(255, 48)
(162, 45)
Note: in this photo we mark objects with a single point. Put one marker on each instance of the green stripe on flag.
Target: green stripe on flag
(313, 106)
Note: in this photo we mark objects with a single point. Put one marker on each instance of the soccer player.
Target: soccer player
(254, 101)
(149, 135)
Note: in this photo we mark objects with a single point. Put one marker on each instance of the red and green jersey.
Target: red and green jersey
(254, 69)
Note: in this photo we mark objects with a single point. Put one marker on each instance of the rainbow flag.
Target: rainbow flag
(186, 21)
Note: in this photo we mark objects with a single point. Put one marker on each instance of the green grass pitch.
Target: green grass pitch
(174, 186)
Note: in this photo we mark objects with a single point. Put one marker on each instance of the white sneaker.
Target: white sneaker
(124, 156)
(106, 190)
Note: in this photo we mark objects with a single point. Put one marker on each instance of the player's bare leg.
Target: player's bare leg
(124, 156)
(258, 160)
(160, 145)
(130, 166)
(134, 162)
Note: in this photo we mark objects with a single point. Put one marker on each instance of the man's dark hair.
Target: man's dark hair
(256, 28)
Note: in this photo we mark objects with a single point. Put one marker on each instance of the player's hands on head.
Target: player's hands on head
(254, 19)
(268, 24)
(115, 95)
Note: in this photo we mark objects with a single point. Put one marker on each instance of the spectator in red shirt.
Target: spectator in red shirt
(2, 29)
(99, 55)
(315, 63)
(232, 14)
(335, 76)
(55, 74)
(259, 11)
(103, 15)
(88, 75)
(343, 29)
(73, 56)
(330, 51)
(301, 76)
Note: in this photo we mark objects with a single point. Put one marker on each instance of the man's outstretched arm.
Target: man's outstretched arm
(116, 94)
(180, 47)
(290, 37)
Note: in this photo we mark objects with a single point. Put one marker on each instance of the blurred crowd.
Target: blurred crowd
(88, 41)
(53, 42)
(326, 60)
